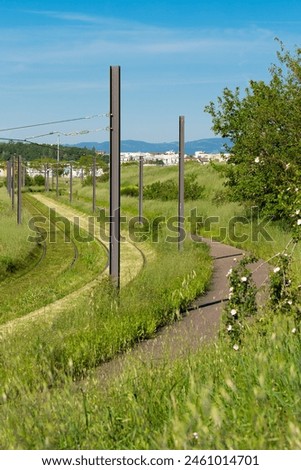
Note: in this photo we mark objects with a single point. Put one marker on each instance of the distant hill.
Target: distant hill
(212, 145)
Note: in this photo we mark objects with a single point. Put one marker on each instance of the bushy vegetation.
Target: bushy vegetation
(262, 123)
(168, 190)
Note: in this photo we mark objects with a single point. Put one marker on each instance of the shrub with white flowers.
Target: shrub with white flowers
(242, 301)
(284, 296)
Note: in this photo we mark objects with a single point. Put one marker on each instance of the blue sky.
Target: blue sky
(175, 57)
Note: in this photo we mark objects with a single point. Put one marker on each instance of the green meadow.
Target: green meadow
(52, 393)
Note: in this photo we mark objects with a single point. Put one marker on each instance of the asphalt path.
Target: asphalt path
(199, 324)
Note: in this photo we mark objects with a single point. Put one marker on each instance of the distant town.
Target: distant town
(165, 159)
(171, 157)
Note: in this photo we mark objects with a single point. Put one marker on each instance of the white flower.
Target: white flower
(287, 166)
(296, 189)
(195, 436)
(299, 222)
(276, 270)
(230, 295)
(229, 272)
(297, 212)
(294, 330)
(229, 327)
(233, 312)
(257, 160)
(290, 302)
(231, 289)
(236, 347)
(244, 279)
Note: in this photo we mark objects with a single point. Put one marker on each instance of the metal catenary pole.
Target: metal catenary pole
(45, 177)
(23, 174)
(13, 183)
(114, 258)
(71, 183)
(94, 184)
(57, 165)
(19, 192)
(8, 177)
(140, 208)
(181, 185)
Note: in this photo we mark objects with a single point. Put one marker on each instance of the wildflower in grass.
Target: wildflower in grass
(290, 302)
(297, 212)
(229, 327)
(236, 347)
(276, 270)
(299, 222)
(244, 279)
(233, 312)
(257, 160)
(195, 436)
(294, 330)
(229, 272)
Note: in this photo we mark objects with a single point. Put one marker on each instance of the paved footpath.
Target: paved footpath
(201, 322)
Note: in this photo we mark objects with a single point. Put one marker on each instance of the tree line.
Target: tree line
(32, 151)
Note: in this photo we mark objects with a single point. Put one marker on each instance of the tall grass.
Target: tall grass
(103, 324)
(15, 250)
(216, 399)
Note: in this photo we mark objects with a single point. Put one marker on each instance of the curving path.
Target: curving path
(201, 322)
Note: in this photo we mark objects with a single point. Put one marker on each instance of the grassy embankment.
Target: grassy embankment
(218, 398)
(61, 266)
(15, 253)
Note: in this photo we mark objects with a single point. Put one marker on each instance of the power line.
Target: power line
(54, 122)
(81, 132)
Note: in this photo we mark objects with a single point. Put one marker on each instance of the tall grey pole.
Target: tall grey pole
(19, 192)
(140, 208)
(94, 184)
(8, 176)
(57, 180)
(71, 183)
(114, 258)
(45, 178)
(13, 183)
(23, 174)
(181, 185)
(57, 165)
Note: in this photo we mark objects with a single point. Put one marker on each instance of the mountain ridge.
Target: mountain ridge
(210, 145)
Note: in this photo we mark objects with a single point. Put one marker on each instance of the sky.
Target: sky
(175, 57)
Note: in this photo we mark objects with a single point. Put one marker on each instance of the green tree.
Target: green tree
(264, 127)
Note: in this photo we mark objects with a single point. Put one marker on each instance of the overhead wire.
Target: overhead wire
(54, 122)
